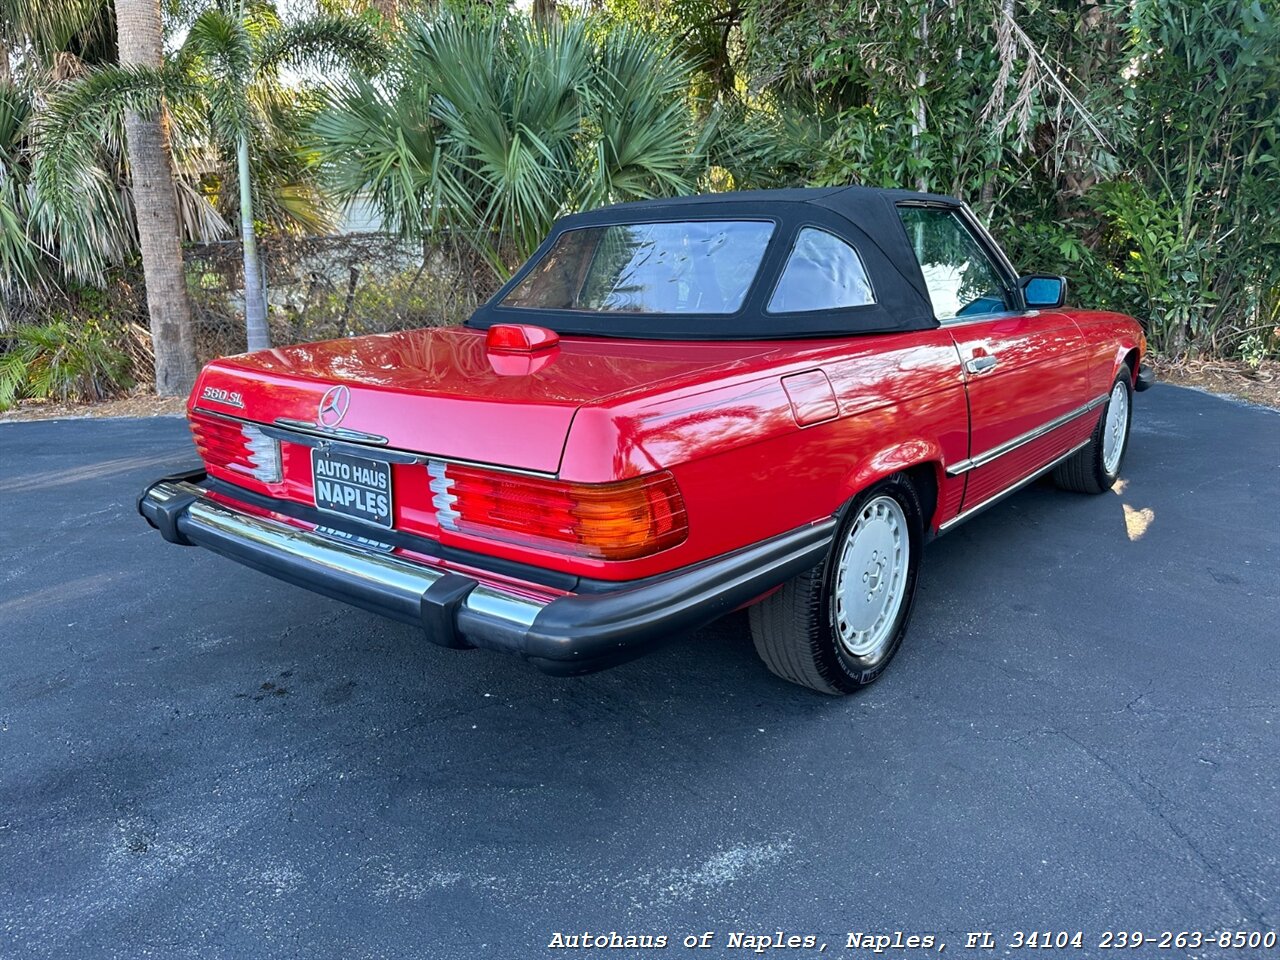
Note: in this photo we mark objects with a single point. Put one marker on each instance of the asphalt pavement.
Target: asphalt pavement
(1081, 732)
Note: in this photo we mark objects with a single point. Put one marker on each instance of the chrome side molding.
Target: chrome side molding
(999, 495)
(982, 459)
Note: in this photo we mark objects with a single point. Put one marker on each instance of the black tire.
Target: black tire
(793, 628)
(1086, 471)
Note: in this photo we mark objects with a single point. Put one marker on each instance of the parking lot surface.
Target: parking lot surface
(1082, 732)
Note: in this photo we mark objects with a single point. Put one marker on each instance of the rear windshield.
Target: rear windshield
(703, 266)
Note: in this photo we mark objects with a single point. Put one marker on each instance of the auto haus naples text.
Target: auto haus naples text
(352, 485)
(759, 943)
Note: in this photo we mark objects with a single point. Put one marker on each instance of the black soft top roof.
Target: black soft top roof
(864, 216)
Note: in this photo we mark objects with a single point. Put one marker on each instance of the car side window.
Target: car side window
(823, 272)
(962, 279)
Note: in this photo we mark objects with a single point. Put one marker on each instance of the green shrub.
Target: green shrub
(1253, 350)
(62, 361)
(1044, 246)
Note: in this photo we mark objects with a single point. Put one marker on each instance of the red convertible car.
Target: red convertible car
(675, 409)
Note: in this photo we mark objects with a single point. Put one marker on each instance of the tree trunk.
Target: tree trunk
(255, 301)
(544, 12)
(919, 122)
(155, 207)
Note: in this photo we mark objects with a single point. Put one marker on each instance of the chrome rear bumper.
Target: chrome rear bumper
(571, 634)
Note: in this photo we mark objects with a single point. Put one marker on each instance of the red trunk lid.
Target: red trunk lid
(440, 391)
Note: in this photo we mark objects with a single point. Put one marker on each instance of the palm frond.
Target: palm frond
(20, 272)
(50, 28)
(646, 127)
(221, 42)
(494, 126)
(510, 103)
(380, 145)
(61, 361)
(305, 205)
(43, 241)
(201, 222)
(87, 237)
(320, 43)
(76, 118)
(219, 47)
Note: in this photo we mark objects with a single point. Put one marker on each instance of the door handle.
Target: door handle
(983, 364)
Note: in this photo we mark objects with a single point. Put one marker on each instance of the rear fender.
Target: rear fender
(898, 458)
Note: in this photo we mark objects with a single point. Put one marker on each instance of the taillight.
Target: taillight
(264, 455)
(239, 447)
(520, 337)
(605, 521)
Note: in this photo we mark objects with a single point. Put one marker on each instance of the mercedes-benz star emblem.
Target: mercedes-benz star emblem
(333, 406)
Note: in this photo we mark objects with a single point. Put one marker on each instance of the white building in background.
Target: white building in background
(360, 216)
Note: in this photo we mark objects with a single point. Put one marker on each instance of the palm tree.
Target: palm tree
(227, 73)
(20, 260)
(238, 53)
(44, 244)
(155, 206)
(494, 126)
(40, 32)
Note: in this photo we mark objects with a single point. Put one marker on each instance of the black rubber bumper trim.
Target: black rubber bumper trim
(164, 517)
(583, 633)
(1146, 379)
(440, 605)
(573, 634)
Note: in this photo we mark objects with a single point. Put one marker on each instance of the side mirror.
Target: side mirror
(1043, 291)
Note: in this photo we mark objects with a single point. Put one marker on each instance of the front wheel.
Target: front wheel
(1096, 466)
(836, 627)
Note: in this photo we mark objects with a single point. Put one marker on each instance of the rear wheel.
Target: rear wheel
(1095, 468)
(836, 627)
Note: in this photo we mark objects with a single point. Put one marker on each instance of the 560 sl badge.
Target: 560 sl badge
(231, 398)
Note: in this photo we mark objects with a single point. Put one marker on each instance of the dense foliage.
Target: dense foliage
(64, 361)
(493, 126)
(1129, 144)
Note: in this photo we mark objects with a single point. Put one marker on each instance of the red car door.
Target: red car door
(1023, 373)
(1026, 371)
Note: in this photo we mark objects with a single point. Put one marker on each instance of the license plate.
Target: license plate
(352, 486)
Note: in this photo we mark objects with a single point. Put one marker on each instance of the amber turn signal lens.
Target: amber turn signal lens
(605, 521)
